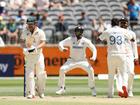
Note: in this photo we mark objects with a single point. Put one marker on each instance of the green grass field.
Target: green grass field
(77, 93)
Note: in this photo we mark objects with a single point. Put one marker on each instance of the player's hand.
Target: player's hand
(93, 59)
(132, 40)
(25, 51)
(65, 49)
(96, 61)
(136, 61)
(32, 49)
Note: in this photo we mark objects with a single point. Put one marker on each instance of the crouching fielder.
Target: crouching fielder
(77, 59)
(33, 39)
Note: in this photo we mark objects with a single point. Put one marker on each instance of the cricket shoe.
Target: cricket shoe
(125, 93)
(120, 94)
(30, 96)
(130, 93)
(39, 94)
(60, 91)
(94, 92)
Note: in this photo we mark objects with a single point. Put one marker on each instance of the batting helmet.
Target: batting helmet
(31, 20)
(79, 30)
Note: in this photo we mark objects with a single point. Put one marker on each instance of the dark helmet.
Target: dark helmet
(123, 22)
(79, 30)
(31, 20)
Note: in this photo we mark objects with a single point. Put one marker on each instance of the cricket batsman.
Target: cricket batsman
(77, 59)
(32, 41)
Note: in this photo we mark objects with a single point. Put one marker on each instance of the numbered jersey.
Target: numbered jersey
(116, 38)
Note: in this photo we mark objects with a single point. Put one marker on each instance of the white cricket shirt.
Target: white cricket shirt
(35, 38)
(78, 47)
(115, 38)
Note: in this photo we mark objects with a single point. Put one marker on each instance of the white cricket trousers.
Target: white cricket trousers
(71, 64)
(130, 64)
(130, 68)
(34, 64)
(116, 65)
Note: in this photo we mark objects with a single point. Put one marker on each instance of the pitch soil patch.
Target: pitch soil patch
(78, 99)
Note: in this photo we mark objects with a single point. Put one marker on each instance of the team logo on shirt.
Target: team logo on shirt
(77, 47)
(36, 33)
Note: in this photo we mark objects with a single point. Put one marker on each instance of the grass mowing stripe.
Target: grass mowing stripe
(73, 87)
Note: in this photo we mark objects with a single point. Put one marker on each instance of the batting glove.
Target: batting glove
(32, 49)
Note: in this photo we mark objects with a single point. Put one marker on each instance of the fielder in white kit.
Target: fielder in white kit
(77, 44)
(32, 40)
(132, 55)
(116, 58)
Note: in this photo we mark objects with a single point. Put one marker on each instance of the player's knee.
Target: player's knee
(62, 70)
(42, 75)
(90, 70)
(30, 77)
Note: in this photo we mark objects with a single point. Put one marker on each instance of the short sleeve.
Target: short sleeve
(42, 35)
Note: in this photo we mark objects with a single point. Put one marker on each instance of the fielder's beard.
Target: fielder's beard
(78, 37)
